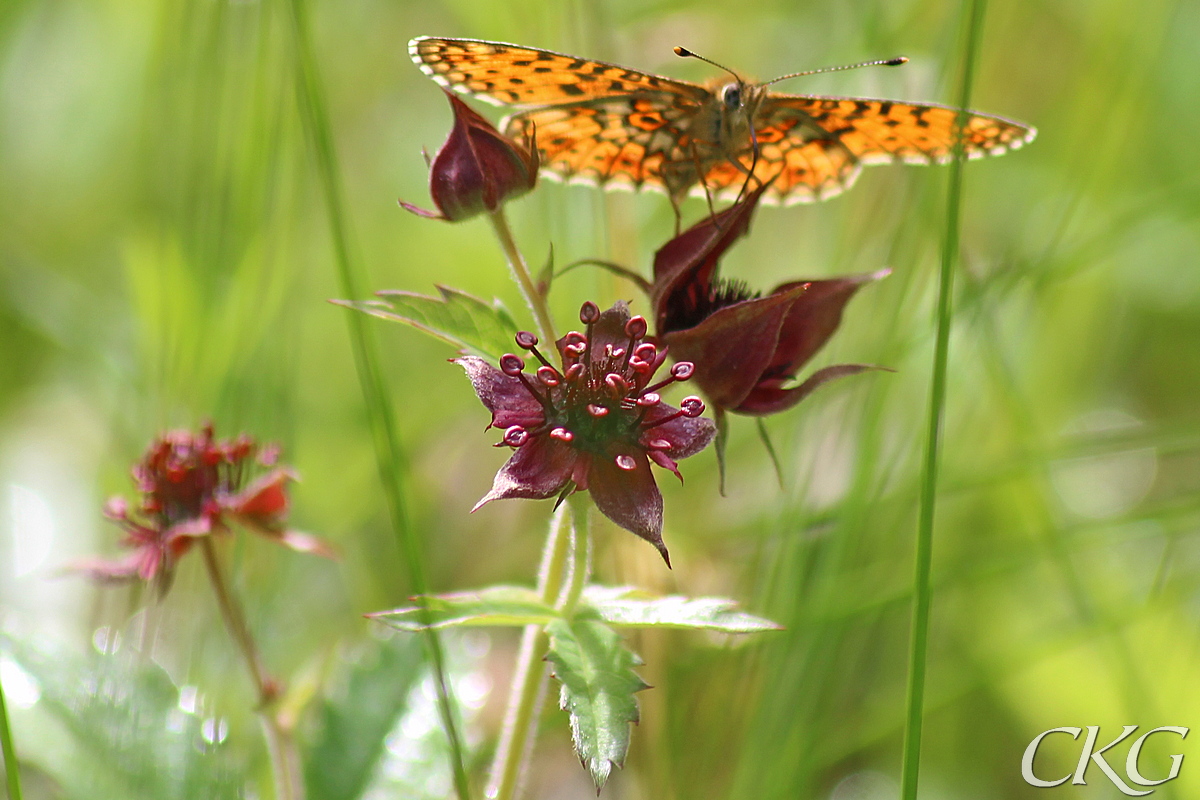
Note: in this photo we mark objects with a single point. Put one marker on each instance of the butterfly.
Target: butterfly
(602, 124)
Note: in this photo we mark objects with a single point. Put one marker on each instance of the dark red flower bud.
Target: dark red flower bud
(745, 349)
(477, 169)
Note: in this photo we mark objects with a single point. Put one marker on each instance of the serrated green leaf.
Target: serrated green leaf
(130, 735)
(598, 688)
(631, 608)
(353, 722)
(463, 320)
(491, 606)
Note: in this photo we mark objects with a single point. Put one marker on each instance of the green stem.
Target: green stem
(10, 751)
(520, 717)
(520, 271)
(581, 546)
(388, 455)
(281, 747)
(919, 644)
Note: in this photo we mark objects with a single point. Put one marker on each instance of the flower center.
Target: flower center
(602, 399)
(690, 307)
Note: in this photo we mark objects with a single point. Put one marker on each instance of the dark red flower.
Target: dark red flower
(477, 169)
(746, 347)
(594, 424)
(193, 485)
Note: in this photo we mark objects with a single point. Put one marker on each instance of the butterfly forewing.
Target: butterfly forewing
(508, 74)
(882, 131)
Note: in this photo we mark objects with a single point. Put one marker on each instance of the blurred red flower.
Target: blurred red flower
(193, 485)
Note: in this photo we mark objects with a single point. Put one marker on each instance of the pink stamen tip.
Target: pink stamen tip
(575, 350)
(589, 313)
(692, 406)
(645, 351)
(636, 327)
(683, 370)
(574, 373)
(515, 436)
(626, 463)
(659, 444)
(574, 338)
(511, 365)
(549, 376)
(649, 399)
(526, 340)
(616, 384)
(562, 434)
(597, 410)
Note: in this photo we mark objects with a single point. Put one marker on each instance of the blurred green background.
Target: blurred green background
(165, 258)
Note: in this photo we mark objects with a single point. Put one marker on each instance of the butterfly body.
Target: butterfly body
(603, 124)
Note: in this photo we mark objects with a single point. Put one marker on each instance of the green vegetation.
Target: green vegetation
(183, 187)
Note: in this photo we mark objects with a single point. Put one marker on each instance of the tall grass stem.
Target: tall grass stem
(922, 591)
(389, 458)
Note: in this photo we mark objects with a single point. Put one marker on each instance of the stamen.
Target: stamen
(597, 411)
(515, 436)
(692, 406)
(626, 462)
(511, 365)
(549, 376)
(526, 340)
(679, 372)
(562, 434)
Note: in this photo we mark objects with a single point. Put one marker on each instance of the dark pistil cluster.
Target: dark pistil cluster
(594, 423)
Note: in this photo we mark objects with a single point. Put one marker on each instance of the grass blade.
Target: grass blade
(919, 642)
(382, 420)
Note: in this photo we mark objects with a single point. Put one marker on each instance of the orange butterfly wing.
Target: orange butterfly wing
(813, 147)
(508, 74)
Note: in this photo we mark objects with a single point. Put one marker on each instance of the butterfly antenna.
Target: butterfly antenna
(683, 52)
(887, 62)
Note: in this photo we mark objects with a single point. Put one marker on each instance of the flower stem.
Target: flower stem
(572, 589)
(918, 646)
(10, 751)
(520, 271)
(555, 582)
(285, 760)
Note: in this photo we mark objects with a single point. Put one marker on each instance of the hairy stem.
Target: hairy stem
(555, 581)
(281, 747)
(520, 271)
(919, 643)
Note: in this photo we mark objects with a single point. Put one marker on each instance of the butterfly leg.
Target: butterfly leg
(753, 165)
(712, 212)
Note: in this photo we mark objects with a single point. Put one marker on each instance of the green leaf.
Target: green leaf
(354, 721)
(465, 321)
(491, 606)
(128, 733)
(598, 687)
(626, 607)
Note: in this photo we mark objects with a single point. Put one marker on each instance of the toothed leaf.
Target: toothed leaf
(598, 688)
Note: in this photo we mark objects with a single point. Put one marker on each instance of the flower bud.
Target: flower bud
(477, 168)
